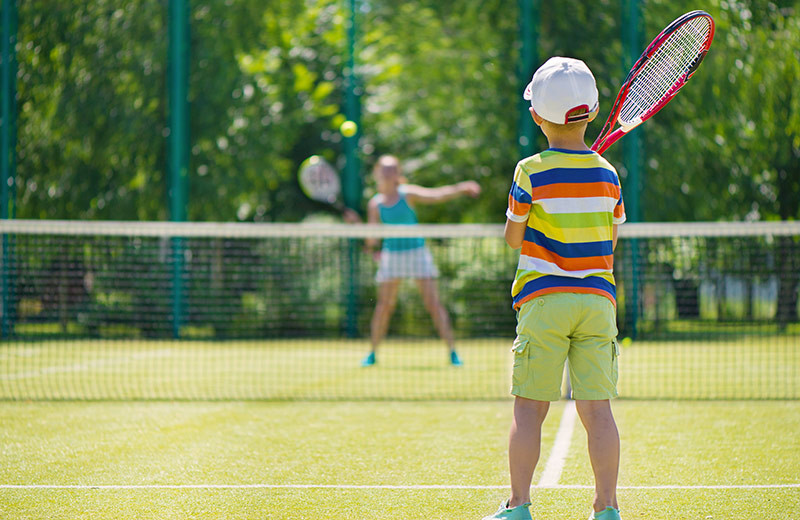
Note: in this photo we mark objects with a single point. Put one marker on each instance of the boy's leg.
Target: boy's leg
(540, 349)
(601, 430)
(523, 446)
(593, 364)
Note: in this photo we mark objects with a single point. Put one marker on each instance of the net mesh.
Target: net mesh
(191, 311)
(665, 70)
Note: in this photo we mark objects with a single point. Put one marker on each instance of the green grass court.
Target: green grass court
(242, 430)
(737, 367)
(415, 460)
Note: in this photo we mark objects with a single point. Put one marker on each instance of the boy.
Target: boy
(563, 210)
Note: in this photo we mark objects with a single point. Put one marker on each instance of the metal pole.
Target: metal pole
(632, 144)
(8, 134)
(529, 21)
(178, 143)
(351, 183)
(632, 152)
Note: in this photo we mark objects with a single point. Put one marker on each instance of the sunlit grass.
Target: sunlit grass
(664, 444)
(740, 367)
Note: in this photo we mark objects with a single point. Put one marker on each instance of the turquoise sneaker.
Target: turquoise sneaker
(369, 360)
(517, 513)
(454, 359)
(608, 514)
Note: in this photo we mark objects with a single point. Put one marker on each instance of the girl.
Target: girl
(401, 258)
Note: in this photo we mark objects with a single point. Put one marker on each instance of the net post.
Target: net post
(7, 154)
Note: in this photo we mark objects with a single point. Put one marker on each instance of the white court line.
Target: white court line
(555, 463)
(357, 486)
(88, 365)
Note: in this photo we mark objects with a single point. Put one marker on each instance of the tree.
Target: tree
(91, 110)
(716, 152)
(277, 103)
(440, 91)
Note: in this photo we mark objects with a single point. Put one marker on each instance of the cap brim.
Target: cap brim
(528, 94)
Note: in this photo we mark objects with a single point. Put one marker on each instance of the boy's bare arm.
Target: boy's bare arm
(614, 237)
(515, 233)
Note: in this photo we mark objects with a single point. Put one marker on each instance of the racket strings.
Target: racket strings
(321, 182)
(666, 70)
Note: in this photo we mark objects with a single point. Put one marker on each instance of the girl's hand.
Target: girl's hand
(350, 216)
(374, 253)
(471, 188)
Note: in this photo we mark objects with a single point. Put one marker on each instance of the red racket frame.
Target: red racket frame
(607, 137)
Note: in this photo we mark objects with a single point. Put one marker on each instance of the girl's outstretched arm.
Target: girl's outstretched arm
(424, 195)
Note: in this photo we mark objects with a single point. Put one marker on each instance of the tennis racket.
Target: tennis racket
(659, 73)
(320, 181)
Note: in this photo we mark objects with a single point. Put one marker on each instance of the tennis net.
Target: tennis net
(207, 311)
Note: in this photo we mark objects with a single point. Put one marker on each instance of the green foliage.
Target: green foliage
(441, 94)
(280, 104)
(439, 88)
(91, 110)
(727, 146)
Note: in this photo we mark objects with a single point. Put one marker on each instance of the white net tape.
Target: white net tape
(253, 230)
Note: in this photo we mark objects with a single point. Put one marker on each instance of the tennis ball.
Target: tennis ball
(626, 342)
(348, 128)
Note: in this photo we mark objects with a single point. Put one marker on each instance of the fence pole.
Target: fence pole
(8, 157)
(352, 109)
(632, 152)
(178, 143)
(351, 182)
(529, 21)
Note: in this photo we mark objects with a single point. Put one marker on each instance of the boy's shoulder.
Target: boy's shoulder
(553, 158)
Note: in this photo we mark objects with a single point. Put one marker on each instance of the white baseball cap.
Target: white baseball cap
(561, 87)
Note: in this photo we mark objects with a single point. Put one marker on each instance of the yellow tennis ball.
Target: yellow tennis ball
(626, 342)
(348, 128)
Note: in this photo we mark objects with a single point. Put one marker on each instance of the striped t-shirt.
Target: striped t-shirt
(570, 200)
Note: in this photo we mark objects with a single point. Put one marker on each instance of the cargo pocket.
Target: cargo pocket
(614, 361)
(521, 353)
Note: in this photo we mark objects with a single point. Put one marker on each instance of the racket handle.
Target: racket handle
(601, 146)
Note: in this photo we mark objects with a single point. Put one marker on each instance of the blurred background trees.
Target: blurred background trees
(440, 90)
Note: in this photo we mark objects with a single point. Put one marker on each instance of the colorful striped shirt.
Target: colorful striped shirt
(570, 201)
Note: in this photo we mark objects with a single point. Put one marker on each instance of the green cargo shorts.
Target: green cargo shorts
(554, 328)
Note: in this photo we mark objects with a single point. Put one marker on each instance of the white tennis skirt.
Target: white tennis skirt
(408, 263)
